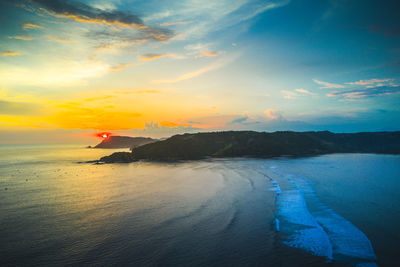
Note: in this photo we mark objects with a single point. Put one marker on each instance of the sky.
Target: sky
(71, 69)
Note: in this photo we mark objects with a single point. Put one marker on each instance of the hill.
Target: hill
(261, 144)
(124, 142)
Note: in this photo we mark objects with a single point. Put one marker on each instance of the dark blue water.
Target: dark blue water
(329, 210)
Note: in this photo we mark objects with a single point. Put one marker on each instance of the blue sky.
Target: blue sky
(156, 68)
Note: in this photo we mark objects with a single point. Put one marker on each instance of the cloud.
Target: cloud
(303, 91)
(21, 37)
(189, 75)
(219, 15)
(111, 41)
(115, 19)
(272, 114)
(81, 12)
(11, 53)
(175, 23)
(239, 120)
(121, 66)
(29, 25)
(371, 81)
(289, 94)
(173, 124)
(151, 56)
(326, 85)
(207, 54)
(296, 93)
(202, 50)
(58, 39)
(356, 94)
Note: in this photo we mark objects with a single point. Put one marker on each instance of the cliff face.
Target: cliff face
(261, 144)
(124, 142)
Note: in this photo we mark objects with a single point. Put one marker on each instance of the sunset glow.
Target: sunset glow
(103, 135)
(158, 69)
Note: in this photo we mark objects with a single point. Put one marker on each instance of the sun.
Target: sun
(104, 135)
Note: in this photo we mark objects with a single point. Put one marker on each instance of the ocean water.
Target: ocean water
(332, 210)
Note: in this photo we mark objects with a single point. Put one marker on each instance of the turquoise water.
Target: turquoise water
(335, 209)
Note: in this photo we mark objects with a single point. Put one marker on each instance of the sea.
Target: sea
(329, 210)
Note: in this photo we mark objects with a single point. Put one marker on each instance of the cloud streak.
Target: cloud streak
(58, 39)
(296, 93)
(29, 25)
(21, 37)
(151, 56)
(357, 94)
(189, 75)
(11, 53)
(326, 85)
(371, 81)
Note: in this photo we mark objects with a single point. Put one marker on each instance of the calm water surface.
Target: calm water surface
(340, 210)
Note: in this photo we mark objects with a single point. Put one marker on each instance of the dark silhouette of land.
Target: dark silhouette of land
(260, 145)
(124, 142)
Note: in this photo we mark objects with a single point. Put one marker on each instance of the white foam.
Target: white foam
(275, 187)
(299, 226)
(346, 239)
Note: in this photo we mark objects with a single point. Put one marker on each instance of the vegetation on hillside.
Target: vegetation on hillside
(260, 144)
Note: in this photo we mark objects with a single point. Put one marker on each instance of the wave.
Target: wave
(307, 223)
(300, 227)
(346, 238)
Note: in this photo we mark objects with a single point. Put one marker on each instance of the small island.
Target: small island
(259, 145)
(113, 142)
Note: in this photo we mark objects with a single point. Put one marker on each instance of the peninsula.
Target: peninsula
(124, 142)
(260, 145)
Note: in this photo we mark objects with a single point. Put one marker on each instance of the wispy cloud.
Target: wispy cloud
(272, 114)
(199, 50)
(209, 15)
(151, 56)
(371, 81)
(303, 91)
(173, 124)
(326, 85)
(121, 66)
(175, 23)
(296, 93)
(357, 94)
(21, 37)
(239, 120)
(58, 39)
(11, 53)
(29, 25)
(189, 75)
(207, 54)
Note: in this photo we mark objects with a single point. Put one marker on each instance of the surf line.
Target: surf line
(348, 241)
(317, 229)
(275, 188)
